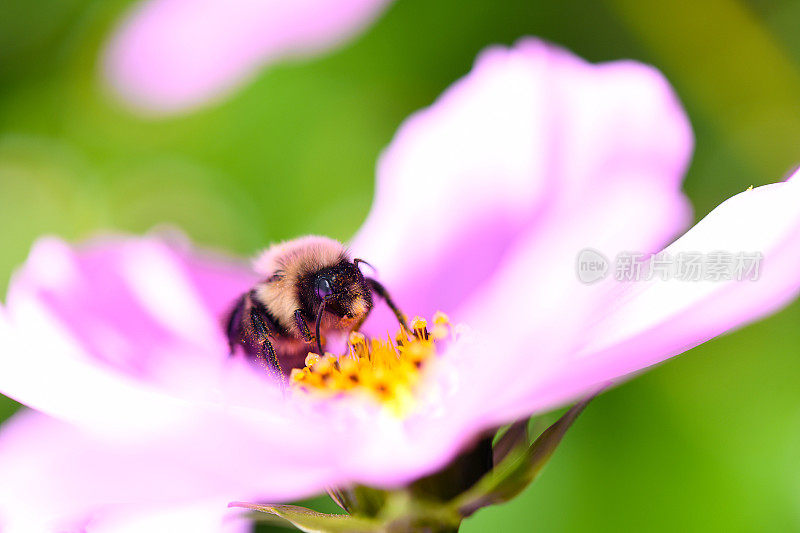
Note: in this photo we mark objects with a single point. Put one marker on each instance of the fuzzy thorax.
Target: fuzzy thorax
(385, 371)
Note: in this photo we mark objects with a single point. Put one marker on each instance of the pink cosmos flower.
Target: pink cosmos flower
(483, 202)
(172, 55)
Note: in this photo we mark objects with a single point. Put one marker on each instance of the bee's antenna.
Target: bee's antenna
(356, 261)
(319, 321)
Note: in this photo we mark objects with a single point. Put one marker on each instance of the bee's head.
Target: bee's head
(343, 289)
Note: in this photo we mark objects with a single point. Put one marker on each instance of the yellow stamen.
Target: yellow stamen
(385, 370)
(441, 326)
(311, 359)
(419, 327)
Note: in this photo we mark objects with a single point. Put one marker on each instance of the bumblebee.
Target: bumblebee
(311, 290)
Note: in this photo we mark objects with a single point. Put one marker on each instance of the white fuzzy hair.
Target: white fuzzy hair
(303, 253)
(293, 259)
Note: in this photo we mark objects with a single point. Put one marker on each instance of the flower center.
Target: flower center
(385, 370)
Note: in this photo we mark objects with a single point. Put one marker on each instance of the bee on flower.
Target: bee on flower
(483, 202)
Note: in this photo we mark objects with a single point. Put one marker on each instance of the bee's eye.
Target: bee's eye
(324, 287)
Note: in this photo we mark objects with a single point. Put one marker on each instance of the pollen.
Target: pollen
(386, 371)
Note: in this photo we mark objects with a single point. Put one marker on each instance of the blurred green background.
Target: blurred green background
(708, 441)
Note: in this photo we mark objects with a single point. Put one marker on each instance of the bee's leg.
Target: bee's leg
(381, 291)
(233, 323)
(302, 326)
(265, 352)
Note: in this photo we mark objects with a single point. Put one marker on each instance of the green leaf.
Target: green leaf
(312, 521)
(519, 467)
(359, 499)
(510, 440)
(466, 469)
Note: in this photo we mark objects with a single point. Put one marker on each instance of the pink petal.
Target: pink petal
(533, 313)
(531, 133)
(45, 369)
(647, 322)
(57, 478)
(170, 55)
(125, 300)
(573, 344)
(198, 517)
(117, 319)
